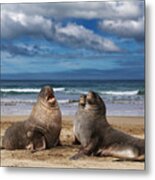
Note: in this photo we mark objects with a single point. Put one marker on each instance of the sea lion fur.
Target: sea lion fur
(41, 130)
(98, 137)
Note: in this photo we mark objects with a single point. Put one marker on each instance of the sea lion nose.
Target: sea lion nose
(82, 96)
(52, 91)
(90, 94)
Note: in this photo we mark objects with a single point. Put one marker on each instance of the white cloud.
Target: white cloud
(79, 36)
(87, 10)
(126, 9)
(16, 24)
(44, 20)
(124, 28)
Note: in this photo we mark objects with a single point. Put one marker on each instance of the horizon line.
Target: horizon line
(5, 79)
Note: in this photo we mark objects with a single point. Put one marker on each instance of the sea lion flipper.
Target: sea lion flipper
(41, 145)
(76, 141)
(87, 150)
(59, 143)
(77, 156)
(123, 152)
(37, 140)
(37, 145)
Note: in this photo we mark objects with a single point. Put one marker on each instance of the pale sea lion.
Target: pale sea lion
(41, 130)
(81, 106)
(97, 137)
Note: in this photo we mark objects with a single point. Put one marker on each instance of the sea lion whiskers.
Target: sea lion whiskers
(50, 108)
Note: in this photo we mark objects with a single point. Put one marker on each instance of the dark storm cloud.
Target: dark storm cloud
(15, 50)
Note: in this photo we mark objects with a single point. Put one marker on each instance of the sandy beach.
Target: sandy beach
(58, 157)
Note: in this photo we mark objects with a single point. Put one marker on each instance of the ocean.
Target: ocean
(122, 97)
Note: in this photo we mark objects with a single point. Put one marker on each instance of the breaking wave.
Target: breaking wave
(26, 90)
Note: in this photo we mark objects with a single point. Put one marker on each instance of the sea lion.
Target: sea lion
(21, 136)
(97, 137)
(41, 130)
(81, 106)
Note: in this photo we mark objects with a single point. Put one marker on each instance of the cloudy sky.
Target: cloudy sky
(64, 37)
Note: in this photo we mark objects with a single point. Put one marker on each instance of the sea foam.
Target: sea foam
(27, 90)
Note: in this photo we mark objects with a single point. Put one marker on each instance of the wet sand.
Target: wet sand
(58, 157)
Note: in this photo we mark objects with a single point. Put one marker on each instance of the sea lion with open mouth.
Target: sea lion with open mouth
(41, 130)
(97, 137)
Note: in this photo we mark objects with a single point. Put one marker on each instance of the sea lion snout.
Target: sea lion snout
(82, 101)
(46, 92)
(94, 101)
(91, 97)
(51, 100)
(47, 95)
(91, 94)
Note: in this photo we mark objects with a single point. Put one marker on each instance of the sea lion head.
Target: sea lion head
(46, 96)
(95, 102)
(82, 101)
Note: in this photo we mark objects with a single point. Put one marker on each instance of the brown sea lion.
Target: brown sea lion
(97, 137)
(22, 136)
(41, 130)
